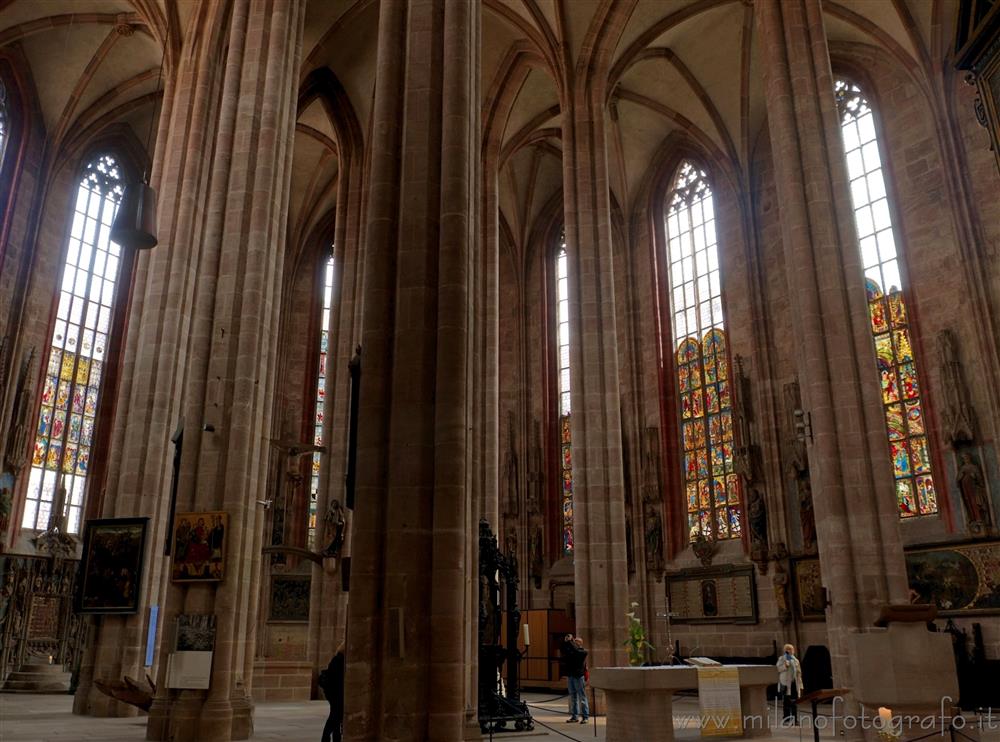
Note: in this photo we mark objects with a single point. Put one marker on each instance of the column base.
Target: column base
(89, 701)
(195, 718)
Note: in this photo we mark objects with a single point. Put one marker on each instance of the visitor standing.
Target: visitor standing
(789, 681)
(574, 662)
(331, 681)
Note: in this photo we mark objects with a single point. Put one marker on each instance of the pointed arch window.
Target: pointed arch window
(75, 368)
(320, 404)
(711, 486)
(565, 437)
(902, 395)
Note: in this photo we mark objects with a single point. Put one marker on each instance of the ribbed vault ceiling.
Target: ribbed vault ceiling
(688, 66)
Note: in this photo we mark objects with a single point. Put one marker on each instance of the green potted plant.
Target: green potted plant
(636, 643)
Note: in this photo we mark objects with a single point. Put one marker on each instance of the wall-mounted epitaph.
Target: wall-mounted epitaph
(725, 594)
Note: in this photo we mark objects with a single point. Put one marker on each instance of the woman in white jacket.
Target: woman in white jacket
(789, 681)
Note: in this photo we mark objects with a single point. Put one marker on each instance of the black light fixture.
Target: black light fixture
(135, 222)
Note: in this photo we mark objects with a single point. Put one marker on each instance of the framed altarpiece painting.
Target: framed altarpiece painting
(111, 565)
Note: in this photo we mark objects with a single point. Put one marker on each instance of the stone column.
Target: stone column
(154, 357)
(857, 522)
(226, 382)
(414, 536)
(599, 558)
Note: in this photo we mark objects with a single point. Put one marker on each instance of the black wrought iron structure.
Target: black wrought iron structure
(500, 705)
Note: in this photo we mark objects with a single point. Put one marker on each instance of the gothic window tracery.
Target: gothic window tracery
(902, 396)
(711, 485)
(563, 389)
(75, 367)
(320, 403)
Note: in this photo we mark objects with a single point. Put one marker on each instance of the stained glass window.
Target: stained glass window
(565, 442)
(77, 354)
(711, 486)
(324, 344)
(897, 366)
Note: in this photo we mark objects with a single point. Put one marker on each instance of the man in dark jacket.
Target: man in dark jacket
(331, 681)
(574, 667)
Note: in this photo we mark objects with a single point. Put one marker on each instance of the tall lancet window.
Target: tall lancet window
(565, 441)
(897, 365)
(324, 344)
(78, 345)
(711, 486)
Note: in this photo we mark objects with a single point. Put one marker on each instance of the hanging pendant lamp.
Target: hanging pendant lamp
(135, 222)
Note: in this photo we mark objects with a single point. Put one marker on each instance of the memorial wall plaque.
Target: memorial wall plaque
(43, 623)
(712, 595)
(809, 599)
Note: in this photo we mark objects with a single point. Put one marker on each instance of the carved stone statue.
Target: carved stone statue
(54, 542)
(536, 557)
(807, 516)
(334, 527)
(535, 473)
(797, 465)
(975, 498)
(780, 582)
(19, 433)
(757, 521)
(958, 416)
(654, 540)
(651, 479)
(743, 460)
(510, 542)
(511, 471)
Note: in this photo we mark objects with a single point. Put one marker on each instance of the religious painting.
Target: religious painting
(111, 565)
(808, 582)
(199, 553)
(959, 580)
(724, 594)
(290, 598)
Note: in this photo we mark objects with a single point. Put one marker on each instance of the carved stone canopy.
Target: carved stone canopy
(957, 413)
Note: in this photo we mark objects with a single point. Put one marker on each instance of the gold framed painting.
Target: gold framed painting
(199, 553)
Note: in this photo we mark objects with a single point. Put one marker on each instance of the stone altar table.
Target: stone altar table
(640, 699)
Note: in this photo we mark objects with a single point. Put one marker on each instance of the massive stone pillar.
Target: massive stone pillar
(201, 352)
(414, 532)
(599, 557)
(155, 357)
(230, 372)
(858, 533)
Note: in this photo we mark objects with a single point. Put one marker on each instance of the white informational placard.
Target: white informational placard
(189, 670)
(719, 701)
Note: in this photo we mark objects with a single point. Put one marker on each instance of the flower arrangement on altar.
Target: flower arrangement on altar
(636, 644)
